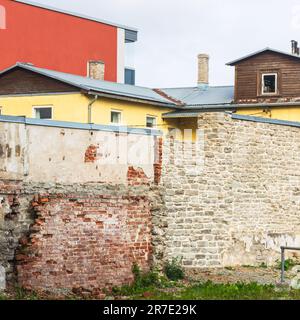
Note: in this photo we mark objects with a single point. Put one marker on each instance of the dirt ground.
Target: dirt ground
(260, 275)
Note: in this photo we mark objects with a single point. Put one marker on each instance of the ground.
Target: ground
(246, 274)
(243, 283)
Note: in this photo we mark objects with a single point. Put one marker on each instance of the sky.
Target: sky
(173, 32)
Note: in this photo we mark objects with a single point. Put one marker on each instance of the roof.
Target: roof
(97, 86)
(79, 125)
(198, 96)
(234, 62)
(130, 34)
(185, 114)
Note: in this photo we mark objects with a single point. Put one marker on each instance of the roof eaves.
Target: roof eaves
(44, 6)
(232, 63)
(218, 105)
(132, 98)
(90, 88)
(33, 69)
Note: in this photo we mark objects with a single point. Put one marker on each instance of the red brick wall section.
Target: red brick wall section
(85, 242)
(158, 160)
(137, 177)
(91, 154)
(10, 186)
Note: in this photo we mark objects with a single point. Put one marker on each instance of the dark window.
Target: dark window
(269, 83)
(151, 122)
(115, 117)
(130, 76)
(43, 113)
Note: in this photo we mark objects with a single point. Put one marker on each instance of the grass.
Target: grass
(152, 286)
(212, 291)
(170, 286)
(183, 290)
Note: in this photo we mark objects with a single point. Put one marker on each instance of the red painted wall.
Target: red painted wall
(56, 41)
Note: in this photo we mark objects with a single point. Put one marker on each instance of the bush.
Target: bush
(288, 264)
(174, 270)
(142, 282)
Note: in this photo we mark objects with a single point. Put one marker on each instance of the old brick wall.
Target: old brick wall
(85, 241)
(232, 198)
(75, 206)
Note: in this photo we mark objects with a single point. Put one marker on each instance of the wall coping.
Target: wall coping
(266, 120)
(80, 126)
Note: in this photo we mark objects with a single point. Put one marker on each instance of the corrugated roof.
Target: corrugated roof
(98, 86)
(197, 96)
(232, 63)
(44, 6)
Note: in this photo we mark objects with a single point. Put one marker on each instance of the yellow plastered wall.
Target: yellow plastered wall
(65, 107)
(132, 114)
(74, 107)
(185, 128)
(278, 113)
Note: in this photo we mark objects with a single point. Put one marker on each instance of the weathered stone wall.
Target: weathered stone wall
(233, 197)
(78, 208)
(75, 206)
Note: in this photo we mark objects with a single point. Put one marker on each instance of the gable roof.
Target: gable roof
(130, 33)
(234, 62)
(97, 86)
(199, 96)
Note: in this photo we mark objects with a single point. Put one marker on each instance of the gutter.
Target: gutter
(114, 96)
(90, 108)
(242, 106)
(192, 111)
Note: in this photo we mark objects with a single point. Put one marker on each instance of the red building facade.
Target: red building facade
(61, 40)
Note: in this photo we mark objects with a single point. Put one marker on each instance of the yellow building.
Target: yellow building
(26, 90)
(45, 94)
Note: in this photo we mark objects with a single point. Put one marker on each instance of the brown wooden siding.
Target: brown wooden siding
(248, 77)
(20, 81)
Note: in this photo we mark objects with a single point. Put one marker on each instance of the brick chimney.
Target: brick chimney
(96, 69)
(203, 70)
(295, 48)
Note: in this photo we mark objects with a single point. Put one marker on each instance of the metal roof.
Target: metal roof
(232, 63)
(197, 96)
(181, 114)
(132, 32)
(79, 125)
(98, 86)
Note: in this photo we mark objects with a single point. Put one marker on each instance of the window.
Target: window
(150, 122)
(269, 83)
(115, 117)
(43, 113)
(129, 76)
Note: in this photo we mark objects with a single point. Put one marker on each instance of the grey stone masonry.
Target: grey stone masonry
(2, 278)
(233, 197)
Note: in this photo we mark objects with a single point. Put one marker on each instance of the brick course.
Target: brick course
(85, 242)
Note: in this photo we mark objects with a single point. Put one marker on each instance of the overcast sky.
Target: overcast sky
(173, 32)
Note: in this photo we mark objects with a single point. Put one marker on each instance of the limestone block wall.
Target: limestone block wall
(232, 198)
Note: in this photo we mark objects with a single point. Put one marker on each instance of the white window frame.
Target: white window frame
(262, 84)
(42, 107)
(121, 117)
(153, 117)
